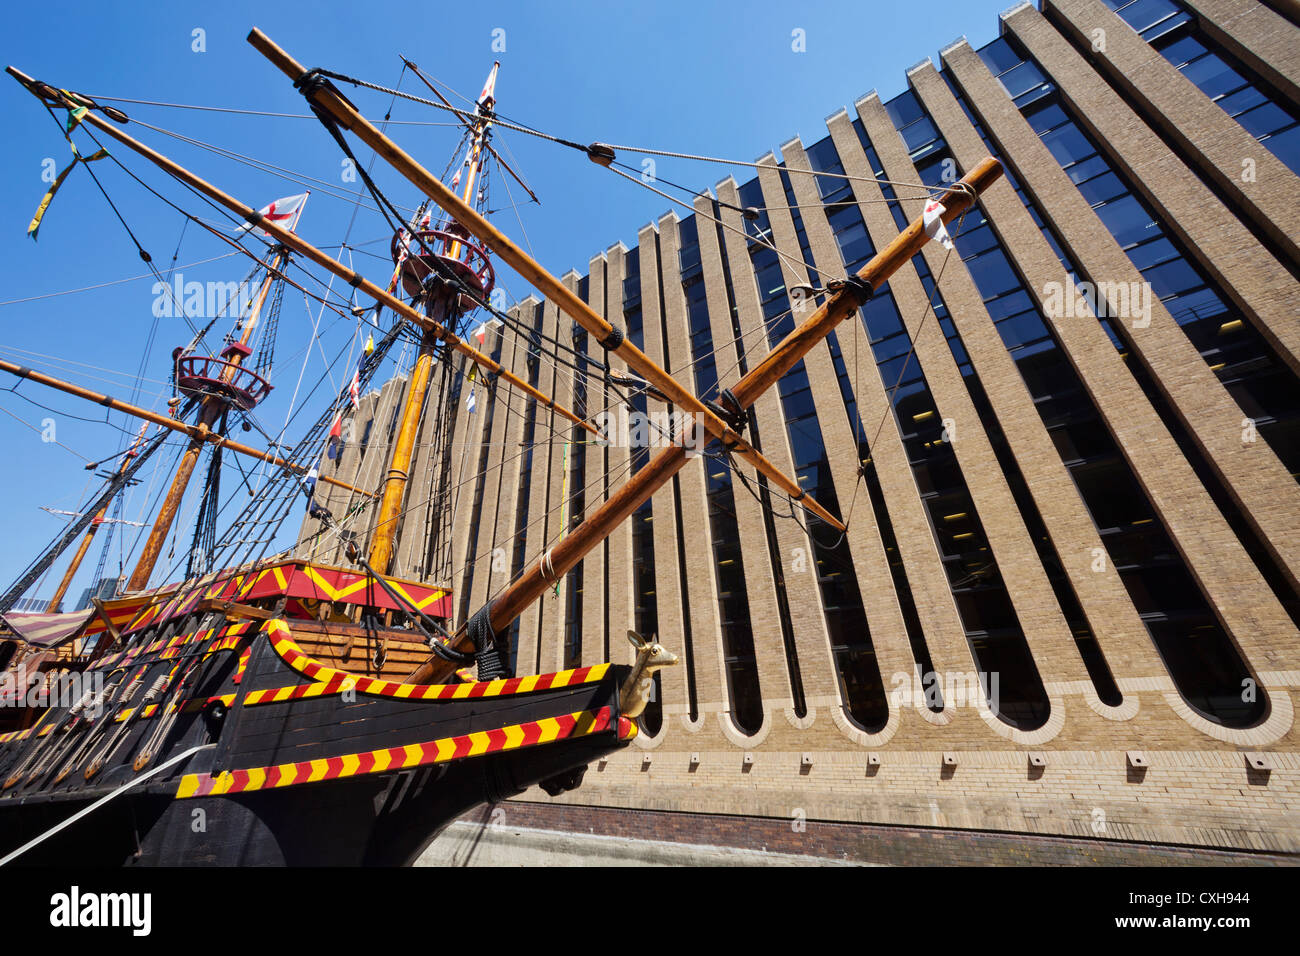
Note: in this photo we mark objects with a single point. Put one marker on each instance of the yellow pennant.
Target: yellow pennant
(370, 343)
(54, 188)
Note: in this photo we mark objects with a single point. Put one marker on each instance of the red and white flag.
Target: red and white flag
(283, 212)
(455, 180)
(932, 220)
(488, 97)
(480, 333)
(335, 437)
(354, 390)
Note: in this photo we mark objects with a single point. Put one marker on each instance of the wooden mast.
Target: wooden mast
(77, 558)
(441, 308)
(551, 287)
(558, 560)
(399, 464)
(210, 410)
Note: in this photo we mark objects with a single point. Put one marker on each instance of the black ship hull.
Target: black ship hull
(294, 763)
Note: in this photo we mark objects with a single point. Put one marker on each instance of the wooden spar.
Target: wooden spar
(956, 201)
(399, 465)
(481, 125)
(77, 558)
(551, 287)
(165, 421)
(277, 266)
(48, 94)
(636, 490)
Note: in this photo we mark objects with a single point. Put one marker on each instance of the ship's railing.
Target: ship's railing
(455, 248)
(209, 375)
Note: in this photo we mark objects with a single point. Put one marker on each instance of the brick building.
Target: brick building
(1063, 622)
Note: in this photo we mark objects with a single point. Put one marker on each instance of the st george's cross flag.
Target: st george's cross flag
(283, 212)
(488, 98)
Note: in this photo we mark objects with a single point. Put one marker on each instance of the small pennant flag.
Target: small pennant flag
(932, 220)
(455, 180)
(354, 390)
(473, 373)
(309, 484)
(370, 344)
(283, 212)
(469, 402)
(75, 116)
(480, 333)
(336, 437)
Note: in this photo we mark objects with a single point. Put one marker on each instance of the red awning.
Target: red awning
(46, 630)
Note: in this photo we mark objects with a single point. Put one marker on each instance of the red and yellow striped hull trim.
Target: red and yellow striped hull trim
(392, 759)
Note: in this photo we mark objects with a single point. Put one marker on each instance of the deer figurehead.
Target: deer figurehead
(650, 657)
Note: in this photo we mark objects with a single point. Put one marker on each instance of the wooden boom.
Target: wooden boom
(570, 549)
(194, 431)
(551, 287)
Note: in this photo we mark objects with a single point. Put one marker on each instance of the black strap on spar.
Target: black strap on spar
(487, 646)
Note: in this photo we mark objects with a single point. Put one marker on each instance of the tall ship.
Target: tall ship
(289, 700)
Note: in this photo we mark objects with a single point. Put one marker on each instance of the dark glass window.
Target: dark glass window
(1249, 365)
(860, 682)
(1133, 536)
(645, 614)
(733, 604)
(1177, 35)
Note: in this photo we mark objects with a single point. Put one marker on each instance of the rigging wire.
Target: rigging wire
(300, 179)
(41, 432)
(112, 282)
(500, 120)
(227, 109)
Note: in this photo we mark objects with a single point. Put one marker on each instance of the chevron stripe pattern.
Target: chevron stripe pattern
(292, 578)
(514, 737)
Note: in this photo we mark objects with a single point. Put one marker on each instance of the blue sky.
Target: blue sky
(713, 78)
